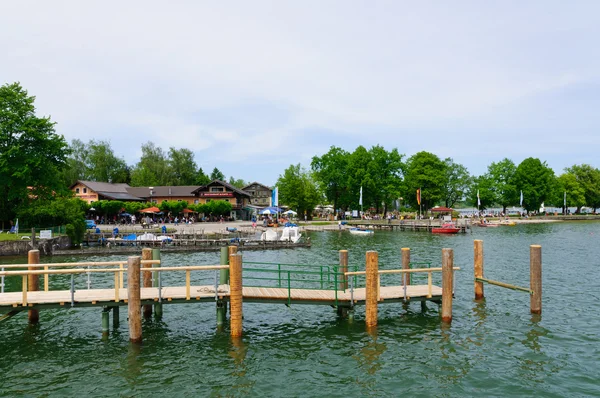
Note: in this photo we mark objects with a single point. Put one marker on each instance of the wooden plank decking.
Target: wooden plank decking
(100, 297)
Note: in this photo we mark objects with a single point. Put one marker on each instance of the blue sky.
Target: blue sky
(252, 87)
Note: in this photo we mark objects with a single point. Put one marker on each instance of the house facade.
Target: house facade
(91, 191)
(158, 195)
(260, 195)
(220, 190)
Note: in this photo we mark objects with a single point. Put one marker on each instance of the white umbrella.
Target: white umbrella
(267, 211)
(292, 212)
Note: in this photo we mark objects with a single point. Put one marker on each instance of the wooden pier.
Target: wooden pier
(407, 225)
(340, 286)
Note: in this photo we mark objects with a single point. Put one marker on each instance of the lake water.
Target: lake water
(493, 348)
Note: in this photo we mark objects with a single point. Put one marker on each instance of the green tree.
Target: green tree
(358, 165)
(201, 178)
(503, 174)
(384, 177)
(103, 165)
(588, 178)
(152, 169)
(217, 175)
(536, 180)
(330, 171)
(172, 206)
(32, 155)
(239, 183)
(182, 166)
(298, 190)
(76, 167)
(427, 172)
(575, 193)
(484, 185)
(456, 183)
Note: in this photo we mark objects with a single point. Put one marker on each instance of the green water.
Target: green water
(495, 348)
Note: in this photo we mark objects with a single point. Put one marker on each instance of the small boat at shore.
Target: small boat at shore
(446, 228)
(360, 231)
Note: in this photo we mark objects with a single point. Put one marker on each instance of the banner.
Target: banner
(419, 196)
(275, 197)
(478, 201)
(565, 201)
(521, 201)
(360, 199)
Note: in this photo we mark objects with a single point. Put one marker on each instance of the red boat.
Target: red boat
(446, 228)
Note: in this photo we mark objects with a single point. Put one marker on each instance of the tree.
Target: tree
(384, 176)
(484, 186)
(182, 166)
(201, 178)
(427, 172)
(456, 183)
(173, 206)
(32, 155)
(568, 186)
(239, 183)
(298, 190)
(103, 165)
(503, 173)
(330, 171)
(536, 180)
(76, 167)
(588, 178)
(217, 175)
(358, 164)
(152, 169)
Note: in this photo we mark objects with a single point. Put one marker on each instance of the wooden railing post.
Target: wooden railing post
(147, 277)
(134, 300)
(478, 268)
(535, 278)
(406, 264)
(235, 294)
(158, 308)
(343, 268)
(372, 288)
(33, 257)
(447, 284)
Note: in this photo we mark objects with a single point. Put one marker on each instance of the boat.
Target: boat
(360, 231)
(290, 234)
(268, 235)
(508, 223)
(446, 228)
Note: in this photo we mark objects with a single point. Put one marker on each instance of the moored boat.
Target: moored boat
(360, 231)
(446, 228)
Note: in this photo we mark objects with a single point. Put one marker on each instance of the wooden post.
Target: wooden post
(133, 299)
(535, 278)
(223, 280)
(33, 257)
(147, 277)
(158, 309)
(235, 294)
(478, 268)
(406, 263)
(372, 288)
(343, 268)
(115, 311)
(105, 323)
(447, 284)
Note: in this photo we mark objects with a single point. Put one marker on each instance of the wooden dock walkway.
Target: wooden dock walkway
(407, 225)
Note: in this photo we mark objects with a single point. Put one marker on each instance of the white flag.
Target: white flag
(565, 199)
(478, 201)
(360, 199)
(521, 201)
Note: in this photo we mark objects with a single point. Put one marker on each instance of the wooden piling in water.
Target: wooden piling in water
(115, 311)
(147, 278)
(447, 284)
(406, 264)
(33, 257)
(158, 309)
(223, 280)
(235, 294)
(133, 299)
(105, 323)
(478, 268)
(372, 288)
(535, 278)
(343, 268)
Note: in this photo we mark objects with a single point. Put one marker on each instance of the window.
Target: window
(226, 200)
(76, 190)
(84, 190)
(216, 189)
(195, 201)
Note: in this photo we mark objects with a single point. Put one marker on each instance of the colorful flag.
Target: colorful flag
(478, 201)
(275, 197)
(565, 201)
(17, 227)
(419, 196)
(360, 199)
(521, 201)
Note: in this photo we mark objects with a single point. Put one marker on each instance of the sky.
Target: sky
(252, 87)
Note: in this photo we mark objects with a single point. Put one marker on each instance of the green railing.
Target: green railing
(295, 276)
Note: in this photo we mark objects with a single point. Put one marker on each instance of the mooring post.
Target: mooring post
(406, 264)
(535, 278)
(223, 276)
(158, 309)
(372, 288)
(447, 284)
(147, 277)
(235, 294)
(33, 257)
(478, 268)
(133, 299)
